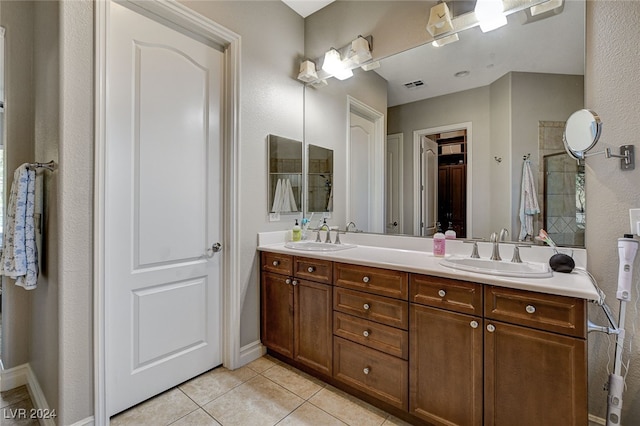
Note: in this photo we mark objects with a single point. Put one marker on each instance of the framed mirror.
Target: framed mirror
(285, 175)
(319, 179)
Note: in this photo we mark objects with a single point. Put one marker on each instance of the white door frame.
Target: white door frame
(177, 16)
(400, 137)
(377, 210)
(417, 136)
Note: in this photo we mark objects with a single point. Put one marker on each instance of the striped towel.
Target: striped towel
(19, 259)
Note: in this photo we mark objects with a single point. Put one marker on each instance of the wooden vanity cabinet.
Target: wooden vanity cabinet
(535, 374)
(297, 313)
(446, 349)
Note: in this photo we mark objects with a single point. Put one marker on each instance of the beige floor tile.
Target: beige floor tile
(14, 395)
(258, 402)
(208, 386)
(262, 364)
(294, 380)
(310, 415)
(347, 408)
(197, 418)
(161, 410)
(18, 414)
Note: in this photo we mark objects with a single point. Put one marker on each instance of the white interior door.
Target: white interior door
(163, 208)
(429, 181)
(394, 185)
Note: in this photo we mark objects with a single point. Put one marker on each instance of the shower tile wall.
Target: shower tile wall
(560, 208)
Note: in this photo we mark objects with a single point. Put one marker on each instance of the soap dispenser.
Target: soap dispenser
(296, 233)
(450, 234)
(439, 241)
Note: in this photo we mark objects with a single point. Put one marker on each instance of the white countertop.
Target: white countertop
(383, 251)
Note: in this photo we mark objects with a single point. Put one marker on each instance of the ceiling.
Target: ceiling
(305, 8)
(552, 45)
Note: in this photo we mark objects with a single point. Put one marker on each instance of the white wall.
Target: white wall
(271, 102)
(612, 90)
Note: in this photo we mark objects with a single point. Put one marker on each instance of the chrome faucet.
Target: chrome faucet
(503, 233)
(355, 228)
(495, 253)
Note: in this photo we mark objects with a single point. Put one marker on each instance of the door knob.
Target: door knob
(215, 249)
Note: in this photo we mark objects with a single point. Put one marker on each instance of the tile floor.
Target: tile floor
(15, 405)
(265, 392)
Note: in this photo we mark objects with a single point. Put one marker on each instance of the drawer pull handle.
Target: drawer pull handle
(275, 263)
(365, 280)
(530, 309)
(294, 282)
(366, 306)
(474, 324)
(491, 328)
(366, 370)
(366, 333)
(288, 281)
(310, 269)
(442, 293)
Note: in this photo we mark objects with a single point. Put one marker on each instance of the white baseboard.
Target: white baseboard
(89, 421)
(251, 352)
(595, 420)
(23, 375)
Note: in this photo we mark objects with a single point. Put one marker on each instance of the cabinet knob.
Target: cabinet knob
(288, 281)
(530, 309)
(310, 269)
(442, 293)
(365, 333)
(491, 328)
(275, 263)
(474, 324)
(294, 282)
(366, 306)
(365, 279)
(366, 370)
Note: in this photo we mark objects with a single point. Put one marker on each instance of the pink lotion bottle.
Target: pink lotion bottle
(439, 242)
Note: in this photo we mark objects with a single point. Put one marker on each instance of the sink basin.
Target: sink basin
(316, 246)
(499, 267)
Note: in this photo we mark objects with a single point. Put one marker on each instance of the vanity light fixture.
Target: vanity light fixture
(545, 7)
(490, 14)
(439, 42)
(356, 54)
(439, 20)
(359, 53)
(307, 71)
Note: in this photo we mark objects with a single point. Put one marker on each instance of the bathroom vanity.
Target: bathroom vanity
(427, 343)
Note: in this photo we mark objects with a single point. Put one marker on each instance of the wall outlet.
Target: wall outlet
(634, 221)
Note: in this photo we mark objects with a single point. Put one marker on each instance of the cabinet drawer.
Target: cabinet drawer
(560, 314)
(313, 269)
(277, 263)
(453, 295)
(383, 282)
(378, 336)
(384, 310)
(380, 375)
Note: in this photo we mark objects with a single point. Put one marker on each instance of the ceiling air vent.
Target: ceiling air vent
(414, 84)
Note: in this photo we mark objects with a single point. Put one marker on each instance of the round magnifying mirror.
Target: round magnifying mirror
(581, 132)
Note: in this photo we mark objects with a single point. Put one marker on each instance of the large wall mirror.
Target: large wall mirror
(481, 107)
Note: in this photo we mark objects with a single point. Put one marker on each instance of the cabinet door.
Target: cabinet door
(313, 325)
(277, 313)
(534, 377)
(445, 366)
